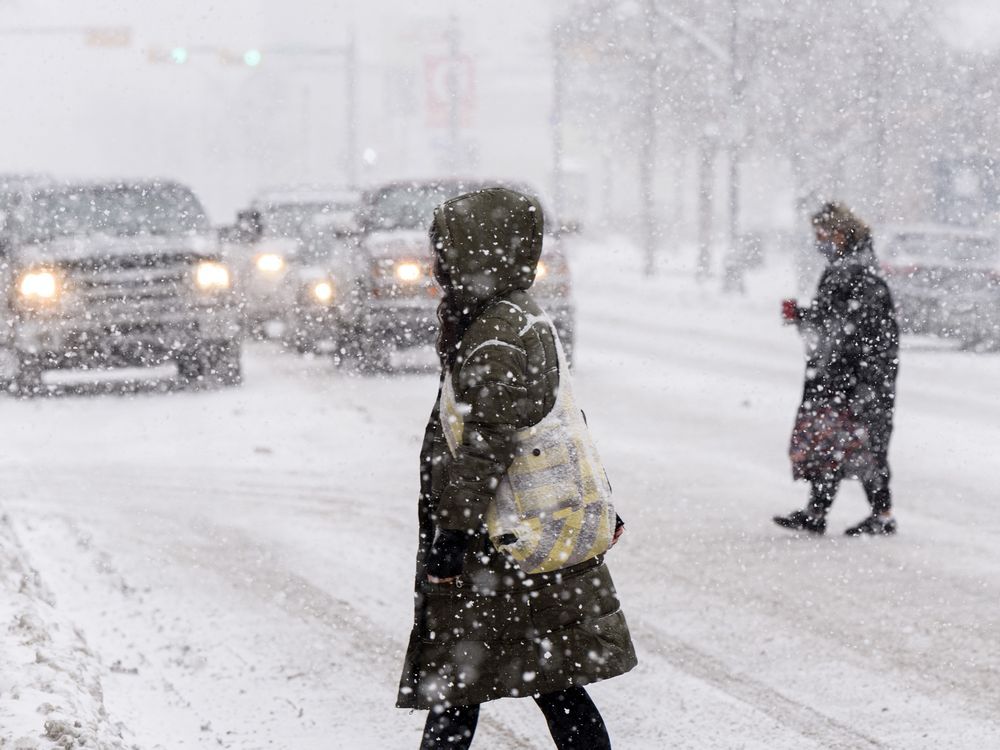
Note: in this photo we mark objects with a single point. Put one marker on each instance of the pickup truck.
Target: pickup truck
(113, 274)
(394, 270)
(283, 251)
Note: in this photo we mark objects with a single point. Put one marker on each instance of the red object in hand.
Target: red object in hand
(789, 310)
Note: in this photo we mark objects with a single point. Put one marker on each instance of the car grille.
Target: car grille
(133, 288)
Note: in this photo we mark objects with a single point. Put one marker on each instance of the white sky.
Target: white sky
(973, 24)
(73, 110)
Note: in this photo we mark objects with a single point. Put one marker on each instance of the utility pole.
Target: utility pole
(735, 263)
(647, 151)
(351, 84)
(558, 92)
(454, 59)
(706, 204)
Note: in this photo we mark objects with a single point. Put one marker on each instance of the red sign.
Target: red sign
(450, 81)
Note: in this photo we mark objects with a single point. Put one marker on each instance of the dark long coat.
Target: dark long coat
(844, 422)
(500, 633)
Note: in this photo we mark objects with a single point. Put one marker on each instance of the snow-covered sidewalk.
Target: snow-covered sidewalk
(50, 684)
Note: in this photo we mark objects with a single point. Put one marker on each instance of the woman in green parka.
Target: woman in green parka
(513, 598)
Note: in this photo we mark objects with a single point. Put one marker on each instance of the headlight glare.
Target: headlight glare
(541, 270)
(39, 286)
(211, 276)
(322, 291)
(270, 263)
(408, 271)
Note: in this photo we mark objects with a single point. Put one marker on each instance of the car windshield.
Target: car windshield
(117, 210)
(408, 206)
(952, 248)
(412, 206)
(297, 220)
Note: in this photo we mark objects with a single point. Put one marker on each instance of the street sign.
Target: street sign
(108, 36)
(449, 80)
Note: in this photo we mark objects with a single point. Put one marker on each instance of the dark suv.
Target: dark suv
(398, 293)
(113, 275)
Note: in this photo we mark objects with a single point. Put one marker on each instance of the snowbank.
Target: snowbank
(50, 689)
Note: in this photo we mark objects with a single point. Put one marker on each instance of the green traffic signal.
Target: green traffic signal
(179, 55)
(252, 57)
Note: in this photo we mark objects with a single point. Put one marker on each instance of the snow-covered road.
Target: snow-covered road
(239, 561)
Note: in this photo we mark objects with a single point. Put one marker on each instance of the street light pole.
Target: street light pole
(558, 92)
(647, 151)
(706, 147)
(453, 90)
(735, 263)
(351, 71)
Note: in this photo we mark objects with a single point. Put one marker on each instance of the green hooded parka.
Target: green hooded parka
(497, 631)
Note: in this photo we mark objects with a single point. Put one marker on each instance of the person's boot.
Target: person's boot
(802, 520)
(874, 525)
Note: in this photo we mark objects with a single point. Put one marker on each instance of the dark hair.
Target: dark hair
(453, 320)
(836, 217)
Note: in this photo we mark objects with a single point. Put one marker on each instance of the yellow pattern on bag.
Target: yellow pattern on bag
(554, 500)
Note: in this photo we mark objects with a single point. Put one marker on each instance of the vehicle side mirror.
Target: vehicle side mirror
(249, 223)
(364, 220)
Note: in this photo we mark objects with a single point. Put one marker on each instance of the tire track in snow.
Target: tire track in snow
(229, 485)
(957, 677)
(724, 354)
(238, 559)
(805, 720)
(238, 553)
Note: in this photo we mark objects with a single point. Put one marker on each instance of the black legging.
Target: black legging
(573, 719)
(876, 484)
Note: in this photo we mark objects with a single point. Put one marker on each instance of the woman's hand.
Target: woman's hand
(619, 530)
(618, 535)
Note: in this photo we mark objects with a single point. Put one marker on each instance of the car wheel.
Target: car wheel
(218, 364)
(9, 367)
(300, 343)
(375, 356)
(20, 375)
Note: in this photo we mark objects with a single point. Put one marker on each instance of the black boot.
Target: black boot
(802, 520)
(874, 525)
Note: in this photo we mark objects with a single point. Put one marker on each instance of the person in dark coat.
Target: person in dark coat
(512, 594)
(844, 423)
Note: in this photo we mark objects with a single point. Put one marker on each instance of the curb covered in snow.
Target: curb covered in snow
(50, 687)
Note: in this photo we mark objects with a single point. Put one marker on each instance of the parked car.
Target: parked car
(280, 248)
(398, 294)
(113, 274)
(945, 280)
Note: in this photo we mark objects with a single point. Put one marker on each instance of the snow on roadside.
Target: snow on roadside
(50, 688)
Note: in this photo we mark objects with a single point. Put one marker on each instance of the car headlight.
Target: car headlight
(322, 291)
(409, 271)
(541, 270)
(270, 263)
(39, 287)
(211, 276)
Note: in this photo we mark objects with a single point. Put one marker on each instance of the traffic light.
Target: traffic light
(252, 58)
(179, 55)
